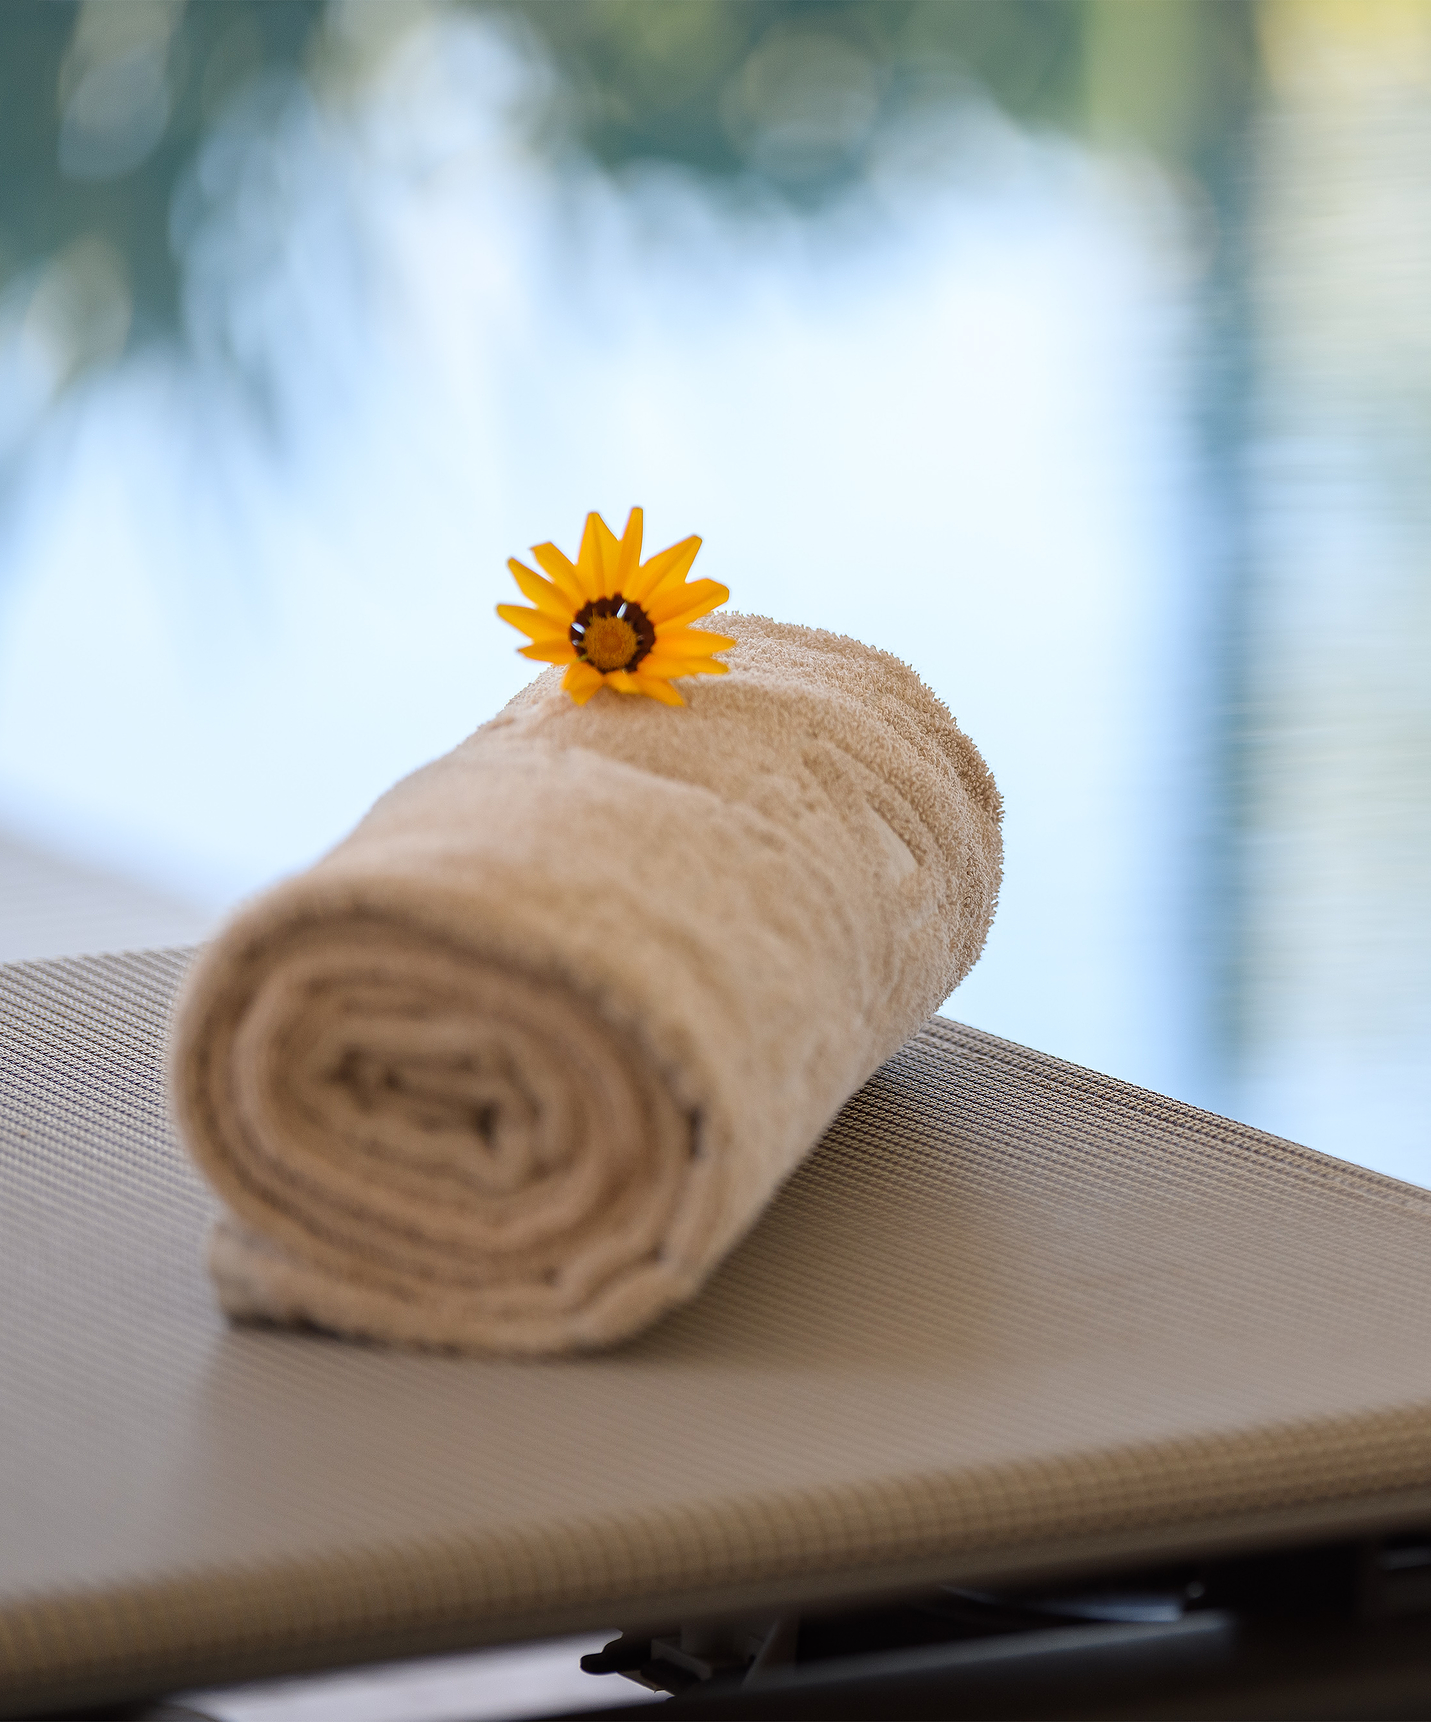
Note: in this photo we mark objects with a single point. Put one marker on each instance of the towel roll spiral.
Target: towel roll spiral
(517, 1064)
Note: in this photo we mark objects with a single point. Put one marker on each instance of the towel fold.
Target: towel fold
(518, 1062)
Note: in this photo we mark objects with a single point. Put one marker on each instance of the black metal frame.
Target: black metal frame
(1338, 1630)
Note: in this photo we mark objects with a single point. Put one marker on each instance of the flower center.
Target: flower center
(610, 643)
(612, 634)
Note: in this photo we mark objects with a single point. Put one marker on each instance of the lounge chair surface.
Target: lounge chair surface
(1012, 1318)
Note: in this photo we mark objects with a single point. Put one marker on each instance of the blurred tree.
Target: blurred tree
(104, 102)
(101, 108)
(793, 89)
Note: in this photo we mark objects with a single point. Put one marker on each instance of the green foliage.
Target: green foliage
(726, 84)
(102, 105)
(70, 94)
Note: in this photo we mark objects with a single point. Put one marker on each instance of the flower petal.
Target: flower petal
(629, 559)
(533, 623)
(549, 651)
(691, 642)
(563, 574)
(657, 689)
(610, 558)
(622, 680)
(547, 598)
(668, 668)
(597, 558)
(668, 568)
(681, 604)
(581, 681)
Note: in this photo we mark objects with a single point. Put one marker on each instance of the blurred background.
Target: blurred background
(1077, 351)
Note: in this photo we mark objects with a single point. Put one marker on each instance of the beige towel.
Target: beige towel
(516, 1064)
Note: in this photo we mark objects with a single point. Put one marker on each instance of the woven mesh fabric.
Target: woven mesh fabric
(51, 906)
(1010, 1316)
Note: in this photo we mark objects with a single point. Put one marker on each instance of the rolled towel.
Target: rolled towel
(518, 1062)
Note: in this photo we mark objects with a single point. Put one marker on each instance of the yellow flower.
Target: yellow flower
(615, 620)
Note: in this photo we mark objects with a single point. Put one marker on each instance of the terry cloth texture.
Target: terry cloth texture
(516, 1064)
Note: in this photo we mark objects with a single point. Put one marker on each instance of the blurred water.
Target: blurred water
(954, 416)
(1335, 936)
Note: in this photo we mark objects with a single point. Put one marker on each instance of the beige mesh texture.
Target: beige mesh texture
(51, 906)
(1010, 1317)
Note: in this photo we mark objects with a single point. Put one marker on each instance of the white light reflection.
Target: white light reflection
(540, 1679)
